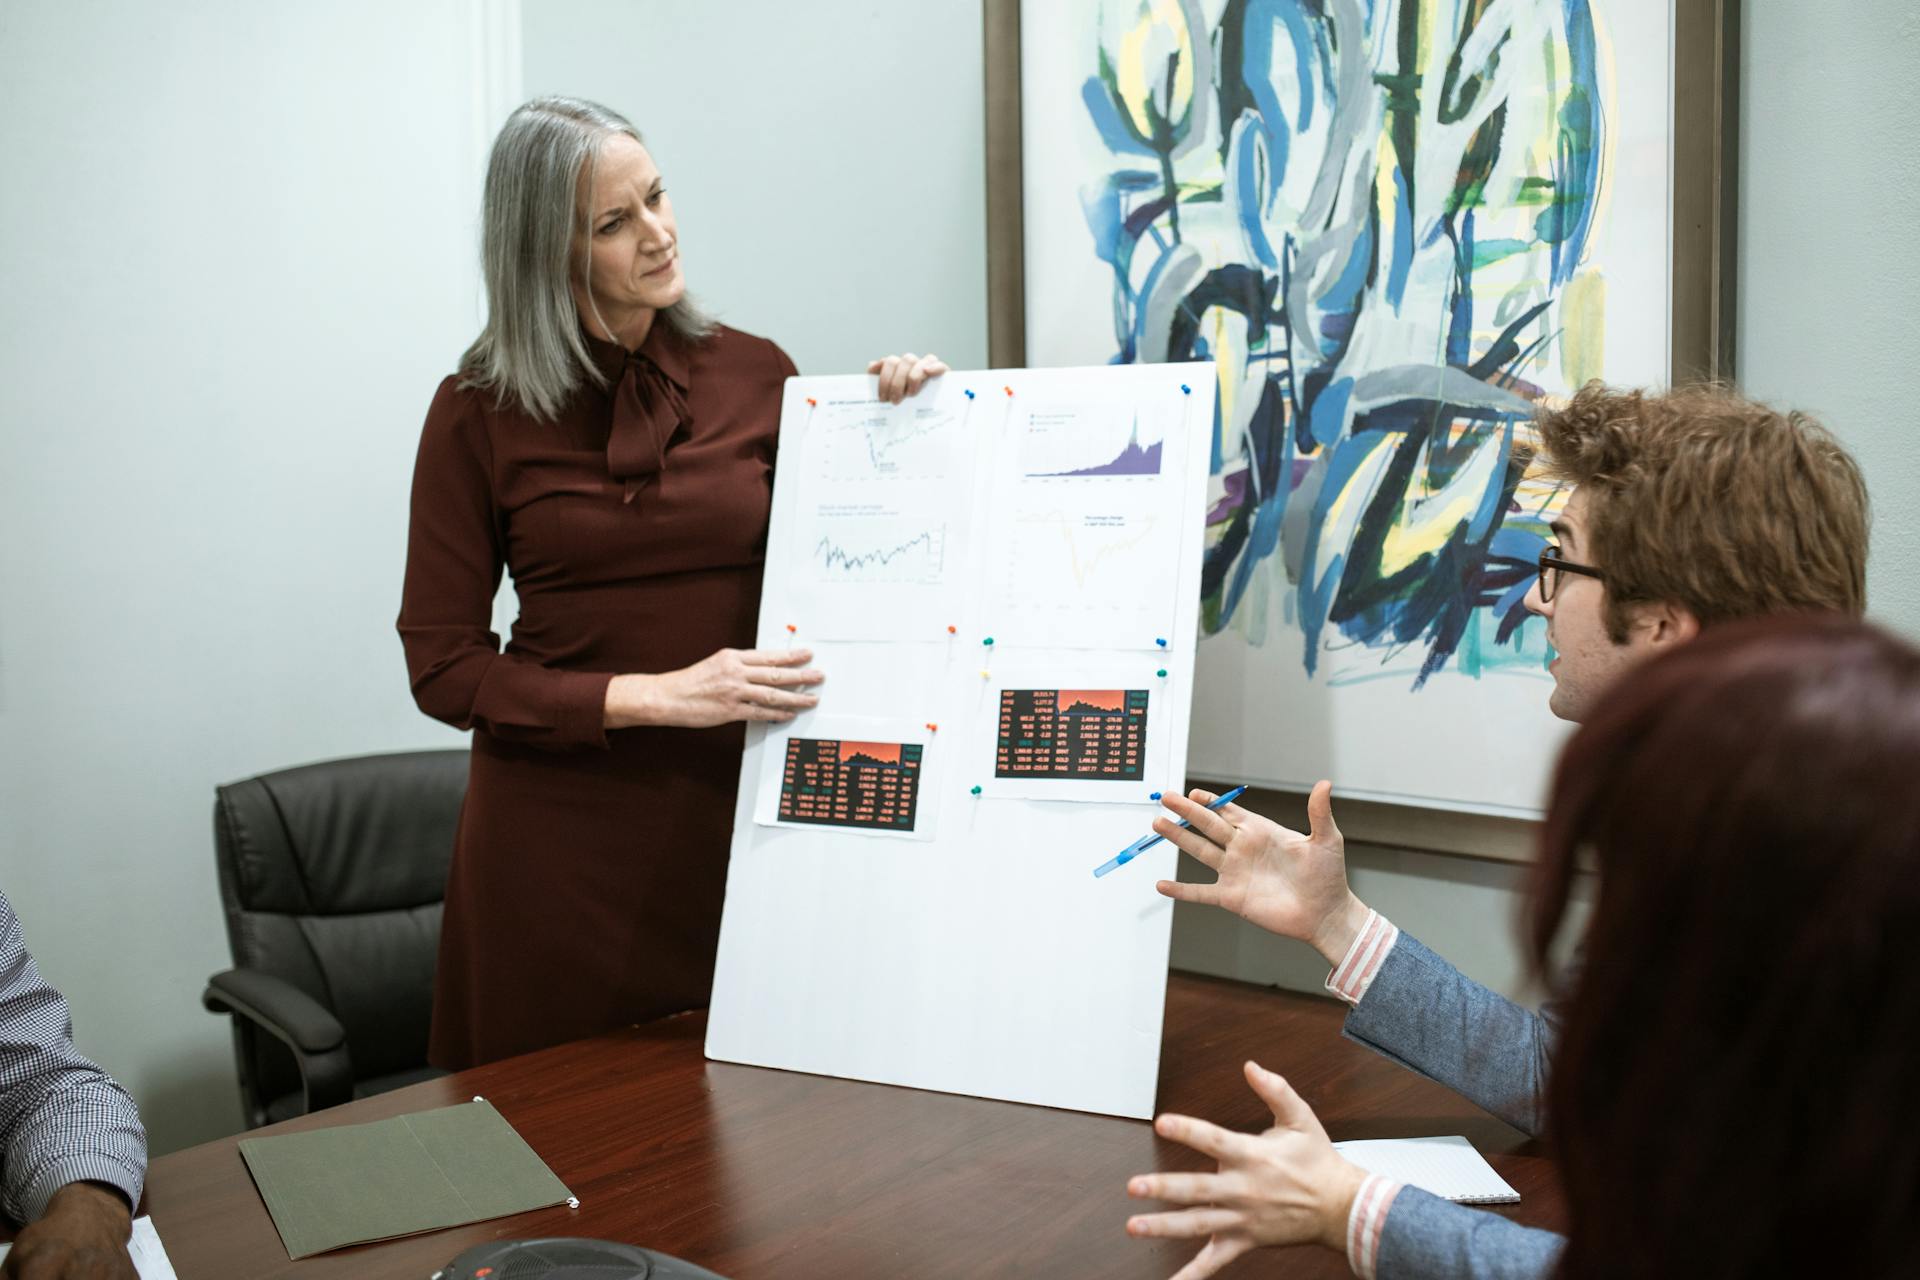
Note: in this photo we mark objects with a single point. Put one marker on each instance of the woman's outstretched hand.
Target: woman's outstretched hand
(1285, 1186)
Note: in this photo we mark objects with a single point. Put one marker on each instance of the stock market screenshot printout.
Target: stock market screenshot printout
(837, 782)
(1093, 734)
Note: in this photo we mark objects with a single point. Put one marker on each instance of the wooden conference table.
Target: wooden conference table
(758, 1173)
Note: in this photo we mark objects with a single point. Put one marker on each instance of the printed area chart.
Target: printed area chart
(872, 786)
(863, 776)
(1072, 733)
(1071, 443)
(1074, 729)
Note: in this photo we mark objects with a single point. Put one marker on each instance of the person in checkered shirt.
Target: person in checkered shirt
(73, 1154)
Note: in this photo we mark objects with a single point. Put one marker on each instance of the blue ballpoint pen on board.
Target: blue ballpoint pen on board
(1145, 843)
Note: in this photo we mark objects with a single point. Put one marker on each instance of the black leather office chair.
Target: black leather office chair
(332, 877)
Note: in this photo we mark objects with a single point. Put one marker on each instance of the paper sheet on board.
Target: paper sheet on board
(1085, 531)
(877, 544)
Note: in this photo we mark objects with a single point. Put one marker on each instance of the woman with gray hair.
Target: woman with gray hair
(612, 447)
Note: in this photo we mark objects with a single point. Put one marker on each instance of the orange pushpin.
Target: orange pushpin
(791, 628)
(812, 403)
(952, 630)
(1008, 390)
(932, 727)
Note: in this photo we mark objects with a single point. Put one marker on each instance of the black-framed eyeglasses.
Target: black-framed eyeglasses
(1552, 566)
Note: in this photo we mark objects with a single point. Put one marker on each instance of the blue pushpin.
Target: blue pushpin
(1154, 796)
(969, 395)
(1161, 641)
(1185, 390)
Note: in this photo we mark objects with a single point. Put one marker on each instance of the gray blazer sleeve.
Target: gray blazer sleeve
(1429, 1237)
(1425, 1014)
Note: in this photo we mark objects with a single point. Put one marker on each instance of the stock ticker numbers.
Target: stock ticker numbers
(1093, 734)
(871, 786)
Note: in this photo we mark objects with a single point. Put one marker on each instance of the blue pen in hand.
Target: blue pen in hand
(1145, 843)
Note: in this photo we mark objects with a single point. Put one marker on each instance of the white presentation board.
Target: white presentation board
(1000, 579)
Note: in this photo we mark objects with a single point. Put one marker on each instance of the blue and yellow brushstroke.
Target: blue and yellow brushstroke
(1373, 217)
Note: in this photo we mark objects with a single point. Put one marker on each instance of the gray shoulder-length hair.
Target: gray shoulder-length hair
(531, 351)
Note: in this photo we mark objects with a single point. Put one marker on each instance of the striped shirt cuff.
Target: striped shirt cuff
(1355, 972)
(1366, 1220)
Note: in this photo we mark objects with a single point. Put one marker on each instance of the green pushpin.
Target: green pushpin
(976, 791)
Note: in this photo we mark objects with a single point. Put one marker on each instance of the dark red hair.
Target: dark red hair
(1736, 1087)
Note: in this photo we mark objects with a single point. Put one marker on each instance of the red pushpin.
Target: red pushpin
(812, 403)
(932, 728)
(1008, 390)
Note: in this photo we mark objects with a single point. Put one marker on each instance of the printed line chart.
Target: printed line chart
(1083, 548)
(1085, 574)
(882, 549)
(876, 560)
(865, 441)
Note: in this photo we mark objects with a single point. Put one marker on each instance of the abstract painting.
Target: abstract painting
(1393, 226)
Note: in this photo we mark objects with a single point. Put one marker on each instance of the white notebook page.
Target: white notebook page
(1446, 1167)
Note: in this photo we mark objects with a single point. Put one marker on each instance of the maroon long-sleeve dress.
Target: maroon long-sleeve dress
(587, 879)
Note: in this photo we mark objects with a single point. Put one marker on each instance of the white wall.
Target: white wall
(238, 246)
(826, 159)
(1830, 262)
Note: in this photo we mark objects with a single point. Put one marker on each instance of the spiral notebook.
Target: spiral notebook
(1446, 1167)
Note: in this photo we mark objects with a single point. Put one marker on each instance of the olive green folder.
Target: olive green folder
(329, 1188)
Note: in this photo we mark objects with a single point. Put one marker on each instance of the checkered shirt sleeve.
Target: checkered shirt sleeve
(62, 1119)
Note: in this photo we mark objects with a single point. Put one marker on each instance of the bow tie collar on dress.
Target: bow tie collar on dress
(649, 393)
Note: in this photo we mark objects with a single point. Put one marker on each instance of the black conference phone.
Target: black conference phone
(568, 1258)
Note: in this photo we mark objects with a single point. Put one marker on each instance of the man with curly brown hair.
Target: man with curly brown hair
(1704, 507)
(1689, 508)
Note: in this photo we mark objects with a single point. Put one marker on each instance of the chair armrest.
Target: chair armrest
(278, 1007)
(296, 1019)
